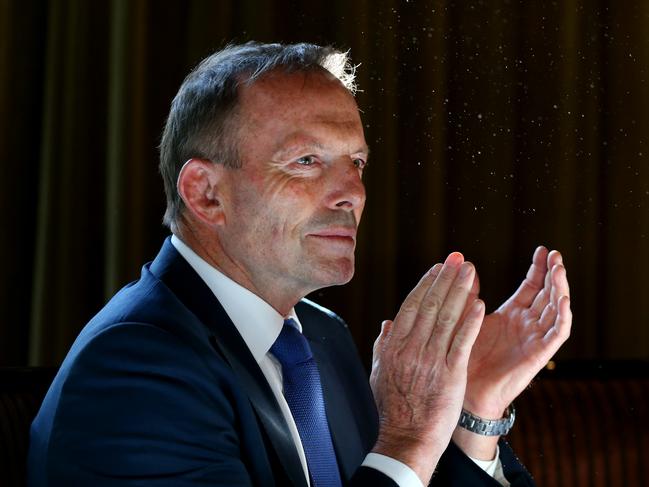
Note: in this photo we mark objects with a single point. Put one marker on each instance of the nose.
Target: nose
(347, 188)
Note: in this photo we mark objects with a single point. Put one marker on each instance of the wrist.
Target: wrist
(475, 446)
(484, 408)
(420, 455)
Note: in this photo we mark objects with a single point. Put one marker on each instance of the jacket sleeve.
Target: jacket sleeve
(369, 477)
(455, 469)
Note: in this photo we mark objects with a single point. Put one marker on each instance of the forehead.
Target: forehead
(299, 100)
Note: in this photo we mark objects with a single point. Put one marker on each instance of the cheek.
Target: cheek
(275, 206)
(289, 197)
(265, 218)
(279, 184)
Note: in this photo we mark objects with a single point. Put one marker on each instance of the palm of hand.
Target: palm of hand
(518, 339)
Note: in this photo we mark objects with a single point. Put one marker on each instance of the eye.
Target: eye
(360, 163)
(306, 160)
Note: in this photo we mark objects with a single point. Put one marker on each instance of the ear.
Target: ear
(199, 184)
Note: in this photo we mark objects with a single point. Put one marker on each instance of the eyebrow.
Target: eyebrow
(296, 145)
(300, 143)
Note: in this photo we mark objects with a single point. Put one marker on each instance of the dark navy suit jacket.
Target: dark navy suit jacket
(159, 389)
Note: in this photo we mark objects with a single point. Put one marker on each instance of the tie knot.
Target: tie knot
(291, 347)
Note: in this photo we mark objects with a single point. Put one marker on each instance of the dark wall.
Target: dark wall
(494, 127)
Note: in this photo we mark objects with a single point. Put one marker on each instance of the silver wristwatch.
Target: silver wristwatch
(488, 427)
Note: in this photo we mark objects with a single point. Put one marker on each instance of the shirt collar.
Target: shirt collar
(258, 323)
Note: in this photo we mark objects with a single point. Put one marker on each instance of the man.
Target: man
(213, 370)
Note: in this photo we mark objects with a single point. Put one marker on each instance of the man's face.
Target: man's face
(292, 209)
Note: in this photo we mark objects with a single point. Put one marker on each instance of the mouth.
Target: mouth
(341, 235)
(342, 232)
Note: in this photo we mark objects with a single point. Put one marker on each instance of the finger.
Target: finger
(560, 332)
(548, 317)
(559, 282)
(541, 301)
(548, 306)
(467, 333)
(545, 296)
(429, 305)
(564, 320)
(534, 279)
(449, 314)
(475, 287)
(473, 295)
(410, 306)
(554, 258)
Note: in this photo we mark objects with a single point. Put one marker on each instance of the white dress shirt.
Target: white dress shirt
(259, 324)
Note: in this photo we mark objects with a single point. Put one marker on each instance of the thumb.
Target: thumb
(386, 326)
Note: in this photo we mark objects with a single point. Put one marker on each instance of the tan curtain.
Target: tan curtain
(493, 127)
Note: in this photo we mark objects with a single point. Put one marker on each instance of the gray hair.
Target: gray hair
(201, 120)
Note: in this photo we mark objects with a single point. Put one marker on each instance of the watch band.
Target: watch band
(488, 427)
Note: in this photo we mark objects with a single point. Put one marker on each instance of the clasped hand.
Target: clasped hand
(441, 353)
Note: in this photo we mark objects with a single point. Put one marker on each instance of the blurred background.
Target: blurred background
(494, 127)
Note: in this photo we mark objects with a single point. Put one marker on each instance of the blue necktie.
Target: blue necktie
(303, 394)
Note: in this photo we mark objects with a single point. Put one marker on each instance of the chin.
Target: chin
(336, 274)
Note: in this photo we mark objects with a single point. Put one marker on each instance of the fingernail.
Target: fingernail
(454, 259)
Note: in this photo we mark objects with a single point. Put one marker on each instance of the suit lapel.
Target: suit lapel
(266, 407)
(180, 278)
